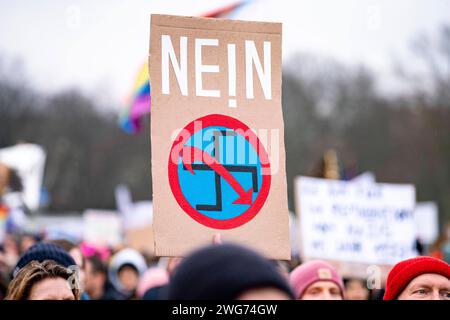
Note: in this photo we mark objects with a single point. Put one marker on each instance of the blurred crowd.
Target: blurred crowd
(51, 266)
(34, 268)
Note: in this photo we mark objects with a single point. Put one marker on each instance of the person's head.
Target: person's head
(227, 272)
(95, 276)
(45, 251)
(420, 278)
(75, 252)
(356, 289)
(45, 280)
(125, 269)
(88, 250)
(152, 278)
(317, 280)
(128, 276)
(27, 241)
(11, 245)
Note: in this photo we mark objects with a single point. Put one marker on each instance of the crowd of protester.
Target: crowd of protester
(45, 266)
(36, 268)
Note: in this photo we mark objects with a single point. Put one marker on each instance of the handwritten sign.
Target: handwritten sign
(354, 222)
(102, 227)
(218, 161)
(426, 216)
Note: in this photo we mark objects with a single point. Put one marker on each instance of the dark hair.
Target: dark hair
(97, 264)
(128, 265)
(348, 280)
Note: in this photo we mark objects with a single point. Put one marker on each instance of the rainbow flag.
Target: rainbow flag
(226, 11)
(139, 101)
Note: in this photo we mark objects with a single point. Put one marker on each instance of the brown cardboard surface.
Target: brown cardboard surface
(141, 239)
(176, 233)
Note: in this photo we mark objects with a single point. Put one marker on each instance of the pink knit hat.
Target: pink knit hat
(310, 272)
(153, 277)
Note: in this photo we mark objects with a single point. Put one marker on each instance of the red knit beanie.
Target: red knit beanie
(405, 271)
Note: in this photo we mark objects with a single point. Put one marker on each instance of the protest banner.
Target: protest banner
(102, 227)
(141, 239)
(134, 215)
(29, 161)
(218, 159)
(365, 177)
(54, 226)
(426, 216)
(355, 225)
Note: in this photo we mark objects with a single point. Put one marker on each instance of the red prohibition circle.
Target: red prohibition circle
(175, 151)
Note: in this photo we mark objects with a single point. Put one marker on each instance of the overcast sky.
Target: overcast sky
(98, 45)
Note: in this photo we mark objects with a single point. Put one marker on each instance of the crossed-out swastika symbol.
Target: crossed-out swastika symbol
(217, 134)
(232, 153)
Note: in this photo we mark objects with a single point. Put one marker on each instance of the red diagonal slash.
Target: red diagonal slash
(192, 154)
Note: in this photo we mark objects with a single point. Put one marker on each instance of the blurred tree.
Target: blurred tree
(326, 105)
(87, 153)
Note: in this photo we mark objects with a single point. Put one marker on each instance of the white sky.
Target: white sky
(99, 45)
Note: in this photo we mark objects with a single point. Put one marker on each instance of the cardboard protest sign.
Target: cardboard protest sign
(355, 225)
(141, 239)
(218, 160)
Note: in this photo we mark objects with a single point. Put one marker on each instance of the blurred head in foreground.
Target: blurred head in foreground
(317, 280)
(46, 280)
(420, 278)
(227, 272)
